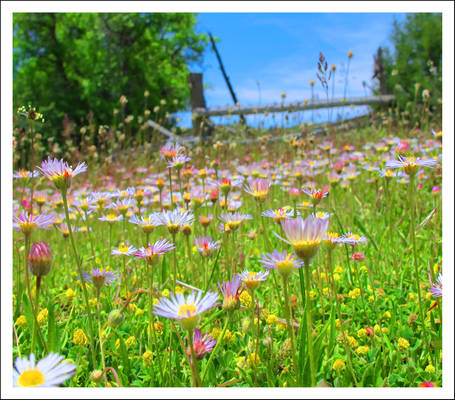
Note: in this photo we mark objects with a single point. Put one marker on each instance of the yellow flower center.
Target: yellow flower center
(173, 228)
(306, 249)
(284, 267)
(111, 217)
(28, 227)
(233, 225)
(123, 249)
(187, 310)
(31, 377)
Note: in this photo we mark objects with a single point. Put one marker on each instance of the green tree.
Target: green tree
(70, 64)
(414, 64)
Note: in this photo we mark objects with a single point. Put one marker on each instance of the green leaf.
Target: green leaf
(365, 232)
(124, 354)
(52, 336)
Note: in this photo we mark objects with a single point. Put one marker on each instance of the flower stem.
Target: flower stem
(361, 292)
(100, 334)
(194, 366)
(170, 188)
(309, 323)
(152, 333)
(291, 330)
(38, 286)
(29, 291)
(218, 344)
(346, 346)
(416, 267)
(81, 277)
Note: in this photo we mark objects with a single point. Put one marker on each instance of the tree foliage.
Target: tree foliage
(69, 64)
(414, 65)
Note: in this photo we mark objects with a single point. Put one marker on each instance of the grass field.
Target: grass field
(348, 304)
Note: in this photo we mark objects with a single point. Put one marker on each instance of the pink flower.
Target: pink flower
(40, 259)
(201, 344)
(358, 256)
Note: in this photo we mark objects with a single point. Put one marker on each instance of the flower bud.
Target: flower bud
(96, 375)
(40, 259)
(115, 318)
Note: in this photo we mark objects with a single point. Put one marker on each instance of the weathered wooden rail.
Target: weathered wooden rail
(291, 107)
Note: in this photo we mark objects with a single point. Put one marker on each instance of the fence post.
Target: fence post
(379, 72)
(197, 100)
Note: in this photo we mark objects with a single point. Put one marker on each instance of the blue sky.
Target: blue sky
(266, 54)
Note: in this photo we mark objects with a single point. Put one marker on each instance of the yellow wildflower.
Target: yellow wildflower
(228, 335)
(179, 289)
(254, 359)
(361, 333)
(339, 365)
(158, 327)
(387, 315)
(165, 293)
(339, 269)
(430, 369)
(147, 358)
(245, 299)
(131, 341)
(216, 332)
(80, 338)
(42, 316)
(362, 350)
(21, 320)
(403, 344)
(271, 319)
(93, 302)
(70, 293)
(352, 341)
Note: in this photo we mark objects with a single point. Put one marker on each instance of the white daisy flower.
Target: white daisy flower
(48, 372)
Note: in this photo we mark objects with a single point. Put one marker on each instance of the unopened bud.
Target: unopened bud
(115, 318)
(40, 259)
(96, 375)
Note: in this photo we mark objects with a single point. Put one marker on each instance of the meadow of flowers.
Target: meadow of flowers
(293, 263)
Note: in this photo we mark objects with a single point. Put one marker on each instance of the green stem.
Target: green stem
(174, 265)
(416, 267)
(291, 331)
(38, 286)
(309, 323)
(81, 277)
(361, 292)
(29, 291)
(152, 327)
(218, 344)
(170, 188)
(100, 333)
(346, 346)
(193, 365)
